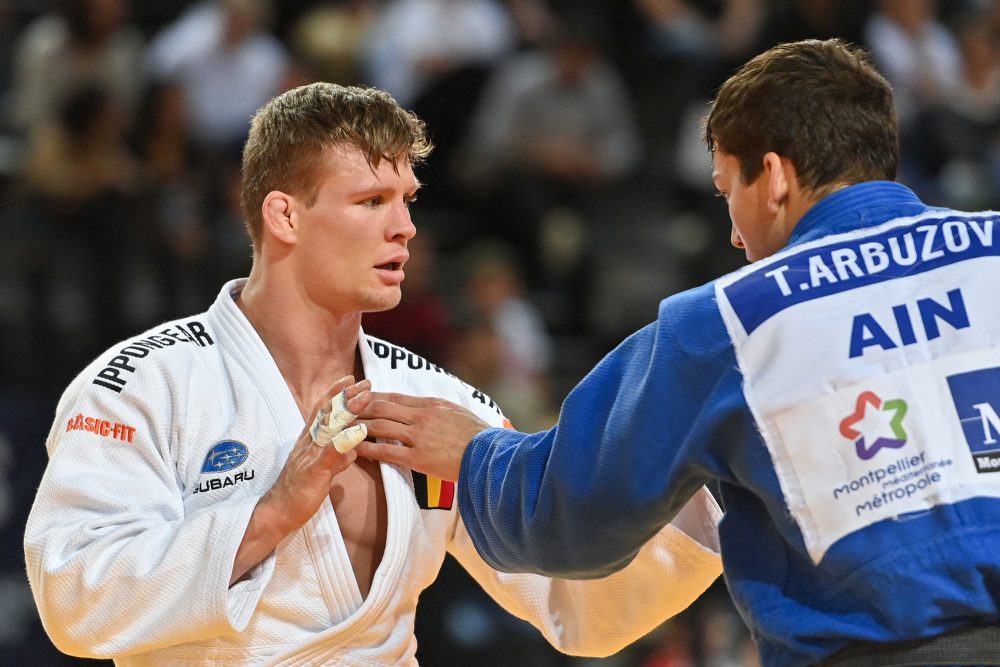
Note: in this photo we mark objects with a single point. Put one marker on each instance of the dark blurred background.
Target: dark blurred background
(568, 194)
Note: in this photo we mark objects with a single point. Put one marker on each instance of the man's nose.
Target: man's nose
(402, 224)
(736, 239)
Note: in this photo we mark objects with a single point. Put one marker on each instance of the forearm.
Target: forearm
(122, 584)
(521, 521)
(580, 499)
(598, 617)
(263, 533)
(321, 452)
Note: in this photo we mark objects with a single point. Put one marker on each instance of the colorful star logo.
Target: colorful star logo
(873, 424)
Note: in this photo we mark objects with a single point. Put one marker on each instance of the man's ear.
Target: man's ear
(277, 213)
(779, 174)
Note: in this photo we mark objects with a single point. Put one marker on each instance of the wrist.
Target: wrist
(266, 528)
(269, 522)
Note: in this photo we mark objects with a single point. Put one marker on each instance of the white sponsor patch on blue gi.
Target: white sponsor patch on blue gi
(869, 364)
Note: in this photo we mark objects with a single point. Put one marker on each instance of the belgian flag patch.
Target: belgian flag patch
(433, 493)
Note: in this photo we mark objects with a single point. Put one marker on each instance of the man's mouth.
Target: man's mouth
(390, 266)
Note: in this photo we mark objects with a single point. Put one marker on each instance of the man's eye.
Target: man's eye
(410, 200)
(722, 195)
(372, 202)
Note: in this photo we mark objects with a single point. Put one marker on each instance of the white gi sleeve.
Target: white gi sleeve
(116, 564)
(599, 617)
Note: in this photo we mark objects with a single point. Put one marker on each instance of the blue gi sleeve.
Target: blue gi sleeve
(630, 447)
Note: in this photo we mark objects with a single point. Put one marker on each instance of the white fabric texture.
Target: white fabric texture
(130, 542)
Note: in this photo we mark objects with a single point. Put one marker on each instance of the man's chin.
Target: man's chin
(383, 304)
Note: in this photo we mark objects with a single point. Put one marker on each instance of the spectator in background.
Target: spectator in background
(917, 54)
(680, 48)
(79, 180)
(455, 68)
(80, 41)
(415, 42)
(80, 155)
(560, 114)
(680, 28)
(504, 344)
(955, 142)
(792, 20)
(675, 28)
(228, 64)
(555, 126)
(329, 39)
(173, 198)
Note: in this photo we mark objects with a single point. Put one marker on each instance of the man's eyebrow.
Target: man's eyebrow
(379, 188)
(368, 190)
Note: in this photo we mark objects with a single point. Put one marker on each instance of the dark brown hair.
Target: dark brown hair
(291, 134)
(820, 104)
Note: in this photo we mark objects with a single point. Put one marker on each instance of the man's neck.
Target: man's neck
(312, 348)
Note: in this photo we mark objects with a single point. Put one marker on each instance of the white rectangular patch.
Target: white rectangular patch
(876, 387)
(879, 449)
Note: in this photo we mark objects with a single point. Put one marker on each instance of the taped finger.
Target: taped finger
(331, 420)
(339, 413)
(318, 424)
(349, 438)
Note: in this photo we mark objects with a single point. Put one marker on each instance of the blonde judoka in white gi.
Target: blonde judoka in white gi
(192, 512)
(131, 540)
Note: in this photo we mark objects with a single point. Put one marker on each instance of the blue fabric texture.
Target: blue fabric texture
(665, 413)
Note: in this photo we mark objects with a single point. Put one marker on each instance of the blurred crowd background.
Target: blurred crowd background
(569, 192)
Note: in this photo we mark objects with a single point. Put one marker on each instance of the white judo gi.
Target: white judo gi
(159, 452)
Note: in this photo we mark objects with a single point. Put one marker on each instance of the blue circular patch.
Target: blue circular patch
(224, 456)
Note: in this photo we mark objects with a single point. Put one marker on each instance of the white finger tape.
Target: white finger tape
(328, 427)
(339, 412)
(318, 423)
(349, 438)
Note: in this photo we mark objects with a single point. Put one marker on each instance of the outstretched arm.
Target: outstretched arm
(636, 438)
(593, 617)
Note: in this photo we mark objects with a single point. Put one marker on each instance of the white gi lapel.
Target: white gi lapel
(249, 351)
(398, 485)
(337, 581)
(321, 534)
